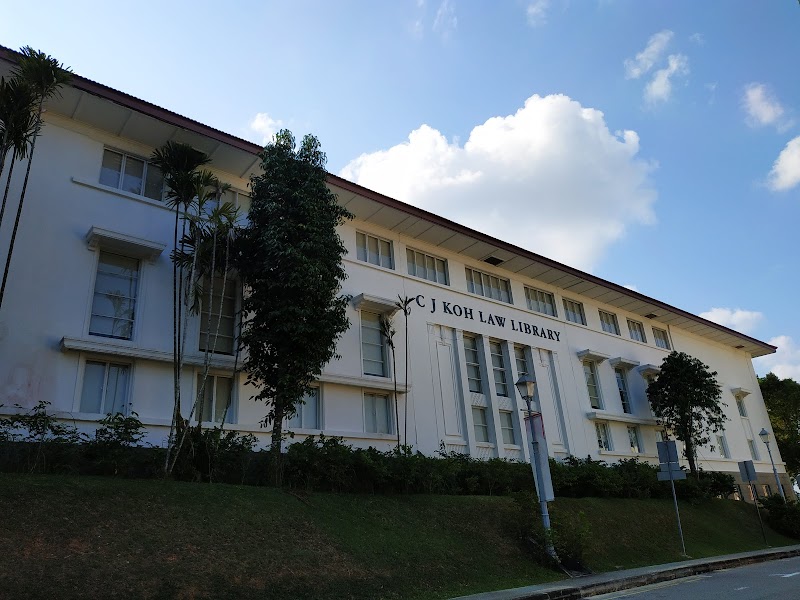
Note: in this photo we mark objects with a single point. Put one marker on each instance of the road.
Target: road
(765, 581)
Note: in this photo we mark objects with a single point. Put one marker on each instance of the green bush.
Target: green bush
(783, 516)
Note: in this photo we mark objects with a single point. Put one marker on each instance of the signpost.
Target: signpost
(670, 471)
(748, 473)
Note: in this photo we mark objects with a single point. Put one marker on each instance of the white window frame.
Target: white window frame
(231, 283)
(126, 405)
(507, 428)
(482, 426)
(476, 365)
(233, 409)
(722, 446)
(753, 449)
(574, 312)
(499, 369)
(298, 421)
(368, 255)
(125, 157)
(136, 299)
(740, 406)
(609, 322)
(639, 328)
(603, 435)
(592, 365)
(633, 430)
(661, 338)
(411, 266)
(384, 346)
(541, 301)
(390, 425)
(621, 376)
(522, 359)
(478, 282)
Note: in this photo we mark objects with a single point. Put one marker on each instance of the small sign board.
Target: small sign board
(667, 452)
(747, 471)
(674, 475)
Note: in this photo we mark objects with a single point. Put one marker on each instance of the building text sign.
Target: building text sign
(460, 310)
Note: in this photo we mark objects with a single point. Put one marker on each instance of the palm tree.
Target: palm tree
(387, 332)
(44, 75)
(404, 304)
(17, 126)
(179, 164)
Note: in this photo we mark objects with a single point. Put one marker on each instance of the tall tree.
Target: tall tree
(290, 262)
(685, 398)
(17, 126)
(404, 304)
(44, 76)
(387, 333)
(782, 399)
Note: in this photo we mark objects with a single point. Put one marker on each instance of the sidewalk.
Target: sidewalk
(604, 583)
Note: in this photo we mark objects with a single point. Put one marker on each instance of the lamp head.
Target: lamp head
(764, 435)
(526, 387)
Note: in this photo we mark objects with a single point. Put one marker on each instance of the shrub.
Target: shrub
(783, 516)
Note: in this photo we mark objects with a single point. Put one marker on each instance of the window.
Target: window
(661, 435)
(662, 339)
(374, 250)
(377, 413)
(540, 301)
(105, 388)
(633, 438)
(130, 174)
(753, 449)
(766, 489)
(574, 311)
(373, 345)
(499, 368)
(473, 364)
(114, 303)
(737, 495)
(481, 426)
(521, 361)
(222, 311)
(217, 396)
(427, 267)
(590, 373)
(740, 405)
(307, 414)
(609, 322)
(487, 285)
(622, 385)
(603, 437)
(507, 427)
(722, 444)
(637, 331)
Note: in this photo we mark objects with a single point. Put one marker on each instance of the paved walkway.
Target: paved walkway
(603, 583)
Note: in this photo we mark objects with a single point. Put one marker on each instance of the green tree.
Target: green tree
(685, 398)
(782, 399)
(44, 76)
(290, 263)
(17, 126)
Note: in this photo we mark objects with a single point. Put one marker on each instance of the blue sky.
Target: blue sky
(655, 144)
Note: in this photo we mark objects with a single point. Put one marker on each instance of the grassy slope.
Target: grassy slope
(85, 537)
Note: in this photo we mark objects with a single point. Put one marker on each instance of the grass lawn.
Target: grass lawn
(83, 537)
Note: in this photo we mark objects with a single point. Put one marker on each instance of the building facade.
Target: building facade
(87, 323)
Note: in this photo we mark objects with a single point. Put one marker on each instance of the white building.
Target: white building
(484, 312)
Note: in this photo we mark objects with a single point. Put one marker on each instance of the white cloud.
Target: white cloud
(647, 58)
(763, 108)
(445, 22)
(698, 38)
(784, 363)
(743, 321)
(660, 87)
(537, 12)
(785, 173)
(551, 178)
(265, 126)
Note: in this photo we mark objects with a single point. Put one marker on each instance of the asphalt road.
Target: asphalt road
(764, 581)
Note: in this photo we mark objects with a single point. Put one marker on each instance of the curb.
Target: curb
(605, 583)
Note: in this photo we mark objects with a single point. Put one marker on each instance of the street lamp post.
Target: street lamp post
(526, 387)
(764, 435)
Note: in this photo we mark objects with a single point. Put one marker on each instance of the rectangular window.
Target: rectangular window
(661, 435)
(521, 361)
(574, 311)
(130, 174)
(622, 385)
(114, 302)
(767, 490)
(542, 302)
(507, 426)
(633, 438)
(603, 437)
(637, 331)
(307, 412)
(481, 426)
(473, 364)
(662, 338)
(609, 322)
(217, 396)
(373, 345)
(499, 368)
(740, 405)
(590, 373)
(487, 285)
(222, 312)
(374, 250)
(722, 444)
(105, 388)
(377, 413)
(427, 267)
(753, 449)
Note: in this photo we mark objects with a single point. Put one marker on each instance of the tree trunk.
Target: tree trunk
(8, 184)
(275, 447)
(689, 449)
(176, 409)
(396, 409)
(405, 406)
